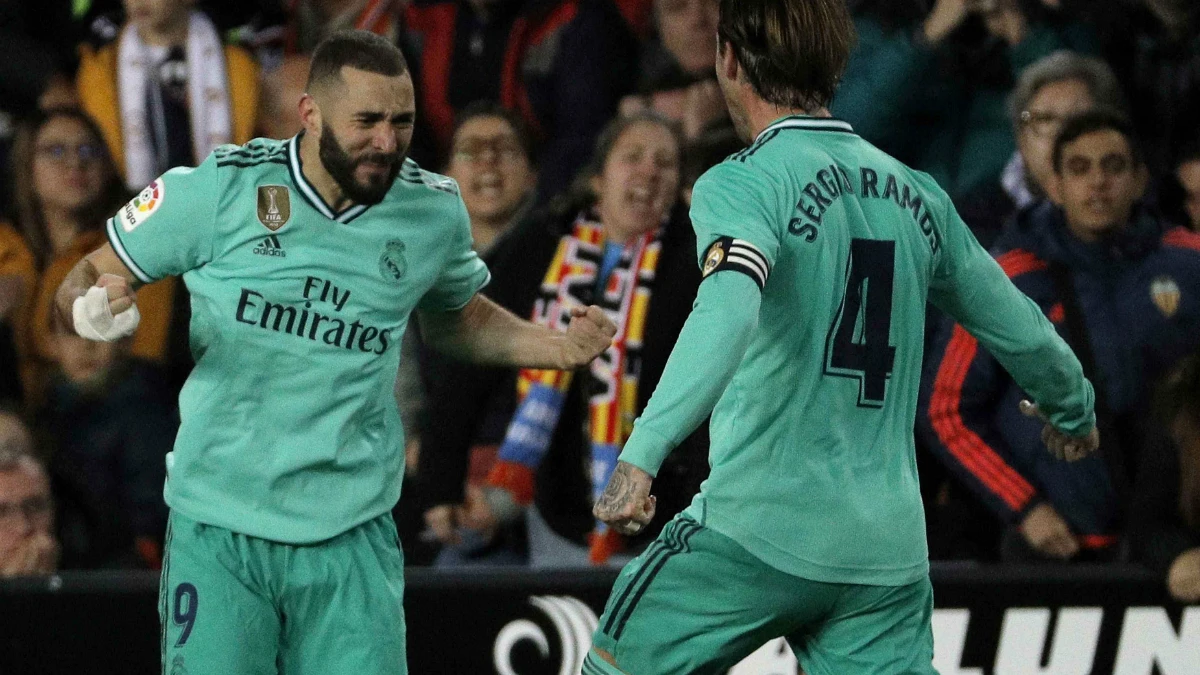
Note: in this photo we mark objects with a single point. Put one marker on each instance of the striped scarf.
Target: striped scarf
(612, 404)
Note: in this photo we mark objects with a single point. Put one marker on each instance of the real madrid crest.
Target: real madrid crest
(1166, 295)
(274, 206)
(392, 264)
(714, 258)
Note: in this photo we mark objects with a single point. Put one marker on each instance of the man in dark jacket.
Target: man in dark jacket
(563, 64)
(1124, 290)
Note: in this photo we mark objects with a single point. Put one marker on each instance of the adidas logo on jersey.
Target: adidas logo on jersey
(270, 246)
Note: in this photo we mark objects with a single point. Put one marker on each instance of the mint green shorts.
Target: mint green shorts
(231, 604)
(696, 602)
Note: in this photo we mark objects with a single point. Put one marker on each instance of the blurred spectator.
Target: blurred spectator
(39, 41)
(167, 92)
(562, 64)
(703, 153)
(492, 160)
(27, 545)
(66, 187)
(947, 75)
(1049, 91)
(282, 89)
(639, 14)
(1165, 514)
(18, 283)
(620, 242)
(1097, 263)
(491, 157)
(108, 423)
(311, 21)
(1187, 177)
(1154, 46)
(676, 75)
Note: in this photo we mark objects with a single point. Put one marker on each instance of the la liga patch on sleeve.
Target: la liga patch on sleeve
(142, 206)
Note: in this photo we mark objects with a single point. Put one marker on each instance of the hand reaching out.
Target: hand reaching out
(588, 335)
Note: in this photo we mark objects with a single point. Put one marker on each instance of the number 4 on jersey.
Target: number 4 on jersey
(858, 345)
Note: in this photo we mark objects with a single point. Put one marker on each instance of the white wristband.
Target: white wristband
(94, 319)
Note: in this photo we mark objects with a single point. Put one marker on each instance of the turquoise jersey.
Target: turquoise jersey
(289, 428)
(821, 251)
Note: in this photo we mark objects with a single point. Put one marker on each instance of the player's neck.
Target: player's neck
(760, 114)
(316, 175)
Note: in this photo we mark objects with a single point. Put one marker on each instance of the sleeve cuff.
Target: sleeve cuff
(119, 248)
(646, 449)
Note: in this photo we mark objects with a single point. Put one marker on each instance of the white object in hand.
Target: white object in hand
(94, 319)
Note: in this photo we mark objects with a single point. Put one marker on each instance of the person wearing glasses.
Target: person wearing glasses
(27, 543)
(66, 185)
(1121, 286)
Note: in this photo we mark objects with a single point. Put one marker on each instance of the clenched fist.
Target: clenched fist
(588, 335)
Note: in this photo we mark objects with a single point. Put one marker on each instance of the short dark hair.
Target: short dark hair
(793, 51)
(359, 49)
(492, 109)
(1097, 119)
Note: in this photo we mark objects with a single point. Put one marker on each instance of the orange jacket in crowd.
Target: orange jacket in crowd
(97, 85)
(31, 322)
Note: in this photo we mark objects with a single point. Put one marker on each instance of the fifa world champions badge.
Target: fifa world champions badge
(274, 206)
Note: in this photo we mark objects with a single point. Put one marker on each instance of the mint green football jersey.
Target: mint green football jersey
(812, 450)
(289, 429)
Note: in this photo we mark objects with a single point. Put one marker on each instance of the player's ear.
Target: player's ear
(310, 114)
(727, 62)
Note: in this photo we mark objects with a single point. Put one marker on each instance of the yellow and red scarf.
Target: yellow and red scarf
(612, 405)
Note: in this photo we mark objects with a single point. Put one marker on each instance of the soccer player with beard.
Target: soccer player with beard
(304, 259)
(819, 253)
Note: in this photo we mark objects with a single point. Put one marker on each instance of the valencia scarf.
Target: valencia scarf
(570, 282)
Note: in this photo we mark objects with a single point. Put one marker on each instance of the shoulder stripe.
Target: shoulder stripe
(1018, 262)
(762, 140)
(243, 164)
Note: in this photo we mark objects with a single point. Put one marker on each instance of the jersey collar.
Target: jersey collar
(807, 123)
(310, 194)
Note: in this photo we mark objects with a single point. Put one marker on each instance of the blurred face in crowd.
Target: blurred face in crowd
(1041, 122)
(157, 15)
(492, 169)
(26, 510)
(687, 29)
(1188, 174)
(84, 362)
(640, 180)
(1098, 183)
(365, 128)
(68, 166)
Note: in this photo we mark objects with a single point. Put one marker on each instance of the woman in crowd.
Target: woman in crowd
(619, 240)
(65, 186)
(1164, 523)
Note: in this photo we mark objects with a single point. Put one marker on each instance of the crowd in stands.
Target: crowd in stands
(1067, 132)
